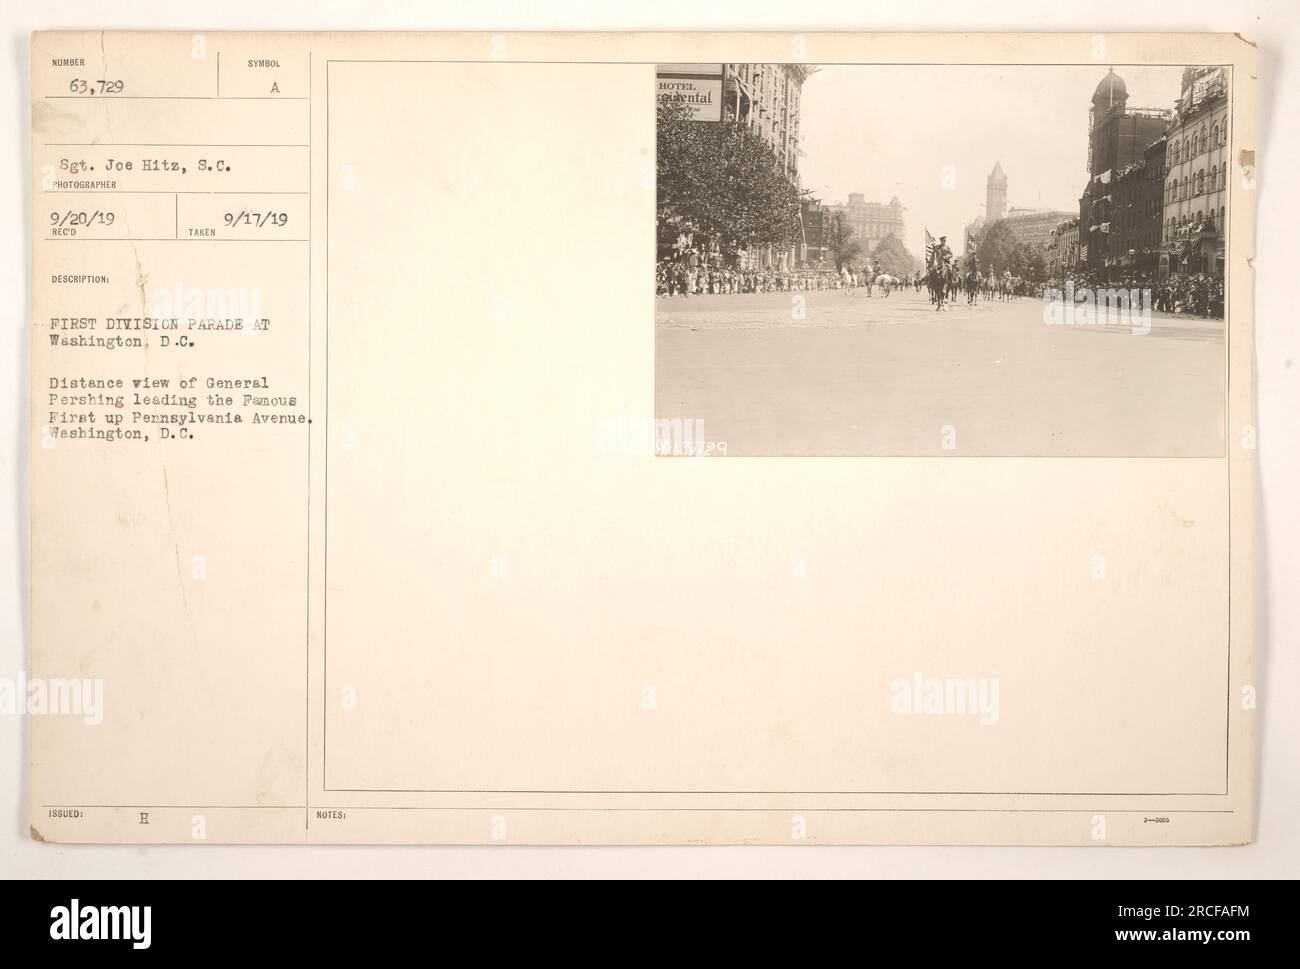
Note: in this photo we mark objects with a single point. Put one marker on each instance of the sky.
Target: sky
(888, 130)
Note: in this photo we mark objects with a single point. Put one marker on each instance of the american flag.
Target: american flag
(1083, 252)
(929, 247)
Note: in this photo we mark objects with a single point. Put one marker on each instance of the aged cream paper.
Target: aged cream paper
(348, 523)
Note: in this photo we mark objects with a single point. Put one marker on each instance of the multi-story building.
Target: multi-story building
(995, 207)
(1033, 227)
(1123, 192)
(816, 220)
(1067, 241)
(1062, 249)
(1196, 179)
(872, 221)
(1152, 197)
(1117, 138)
(763, 97)
(766, 97)
(1136, 206)
(995, 194)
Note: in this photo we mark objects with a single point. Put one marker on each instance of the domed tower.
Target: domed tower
(1117, 137)
(1110, 92)
(1105, 124)
(995, 195)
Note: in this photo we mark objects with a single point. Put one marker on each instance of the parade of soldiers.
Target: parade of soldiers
(945, 278)
(675, 277)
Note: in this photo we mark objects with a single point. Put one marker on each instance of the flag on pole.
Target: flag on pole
(929, 247)
(1083, 252)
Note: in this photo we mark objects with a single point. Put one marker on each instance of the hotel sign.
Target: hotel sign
(698, 86)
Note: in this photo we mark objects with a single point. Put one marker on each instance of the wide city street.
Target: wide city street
(833, 372)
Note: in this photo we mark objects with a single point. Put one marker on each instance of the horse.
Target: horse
(887, 283)
(936, 279)
(973, 280)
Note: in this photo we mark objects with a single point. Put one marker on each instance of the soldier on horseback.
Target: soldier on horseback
(939, 271)
(973, 279)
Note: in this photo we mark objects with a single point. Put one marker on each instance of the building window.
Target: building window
(1223, 176)
(1214, 136)
(1200, 182)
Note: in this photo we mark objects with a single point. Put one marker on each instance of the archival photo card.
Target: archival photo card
(1018, 260)
(864, 453)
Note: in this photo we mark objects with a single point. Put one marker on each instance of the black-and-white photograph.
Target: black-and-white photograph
(965, 260)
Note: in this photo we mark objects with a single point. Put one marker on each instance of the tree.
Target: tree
(1000, 251)
(1035, 265)
(997, 249)
(722, 183)
(892, 257)
(841, 243)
